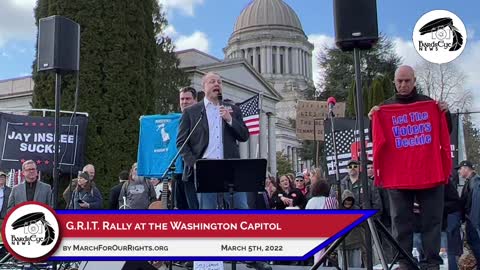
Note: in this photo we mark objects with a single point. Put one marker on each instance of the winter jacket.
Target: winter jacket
(92, 197)
(470, 200)
(357, 190)
(356, 237)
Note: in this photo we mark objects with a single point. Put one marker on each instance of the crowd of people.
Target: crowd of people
(418, 212)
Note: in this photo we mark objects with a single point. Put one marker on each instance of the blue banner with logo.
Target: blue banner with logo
(157, 145)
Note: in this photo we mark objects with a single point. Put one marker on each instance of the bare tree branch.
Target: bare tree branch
(444, 82)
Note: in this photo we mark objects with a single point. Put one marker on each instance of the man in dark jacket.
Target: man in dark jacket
(452, 216)
(115, 191)
(184, 194)
(401, 200)
(352, 182)
(4, 194)
(220, 130)
(470, 200)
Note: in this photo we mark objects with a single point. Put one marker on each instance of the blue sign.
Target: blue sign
(157, 145)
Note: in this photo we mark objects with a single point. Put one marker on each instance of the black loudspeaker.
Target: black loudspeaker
(355, 24)
(58, 44)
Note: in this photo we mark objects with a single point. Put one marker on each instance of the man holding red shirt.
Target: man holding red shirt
(430, 199)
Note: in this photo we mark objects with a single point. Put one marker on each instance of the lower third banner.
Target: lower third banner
(172, 235)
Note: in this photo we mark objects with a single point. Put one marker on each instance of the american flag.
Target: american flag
(251, 114)
(348, 145)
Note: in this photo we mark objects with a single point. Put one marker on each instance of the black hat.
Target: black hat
(353, 161)
(369, 162)
(465, 163)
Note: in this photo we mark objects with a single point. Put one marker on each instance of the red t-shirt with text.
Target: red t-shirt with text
(411, 146)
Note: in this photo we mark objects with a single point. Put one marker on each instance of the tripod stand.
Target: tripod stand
(372, 231)
(230, 175)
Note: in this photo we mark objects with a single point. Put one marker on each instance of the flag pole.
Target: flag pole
(260, 110)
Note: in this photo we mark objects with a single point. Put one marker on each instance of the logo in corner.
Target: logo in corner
(31, 231)
(439, 36)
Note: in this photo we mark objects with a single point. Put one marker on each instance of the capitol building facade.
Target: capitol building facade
(267, 53)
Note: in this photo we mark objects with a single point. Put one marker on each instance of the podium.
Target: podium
(230, 175)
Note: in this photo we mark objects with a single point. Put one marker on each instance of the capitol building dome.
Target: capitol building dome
(267, 13)
(269, 36)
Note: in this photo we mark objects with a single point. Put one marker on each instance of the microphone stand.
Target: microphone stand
(331, 116)
(171, 167)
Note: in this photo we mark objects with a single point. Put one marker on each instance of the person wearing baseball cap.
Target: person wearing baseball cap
(470, 200)
(465, 163)
(300, 183)
(4, 194)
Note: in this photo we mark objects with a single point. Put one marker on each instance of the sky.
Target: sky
(207, 24)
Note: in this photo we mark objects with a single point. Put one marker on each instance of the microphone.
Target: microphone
(331, 101)
(220, 98)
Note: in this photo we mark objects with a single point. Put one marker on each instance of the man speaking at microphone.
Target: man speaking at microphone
(216, 137)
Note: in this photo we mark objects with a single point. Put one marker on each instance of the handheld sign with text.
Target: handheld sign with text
(311, 116)
(30, 137)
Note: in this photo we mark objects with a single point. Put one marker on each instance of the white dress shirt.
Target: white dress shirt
(215, 135)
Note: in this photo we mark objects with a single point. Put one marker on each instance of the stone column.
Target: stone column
(255, 61)
(307, 68)
(263, 135)
(263, 59)
(254, 147)
(244, 151)
(302, 63)
(286, 57)
(272, 144)
(269, 60)
(278, 60)
(294, 159)
(299, 61)
(294, 60)
(309, 65)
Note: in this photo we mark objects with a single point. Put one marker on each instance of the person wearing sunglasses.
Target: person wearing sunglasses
(352, 182)
(300, 184)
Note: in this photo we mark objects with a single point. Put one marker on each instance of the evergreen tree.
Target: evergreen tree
(123, 70)
(283, 165)
(338, 68)
(169, 78)
(308, 150)
(472, 140)
(376, 94)
(366, 91)
(388, 86)
(350, 110)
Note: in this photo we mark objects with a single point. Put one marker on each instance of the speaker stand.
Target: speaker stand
(56, 167)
